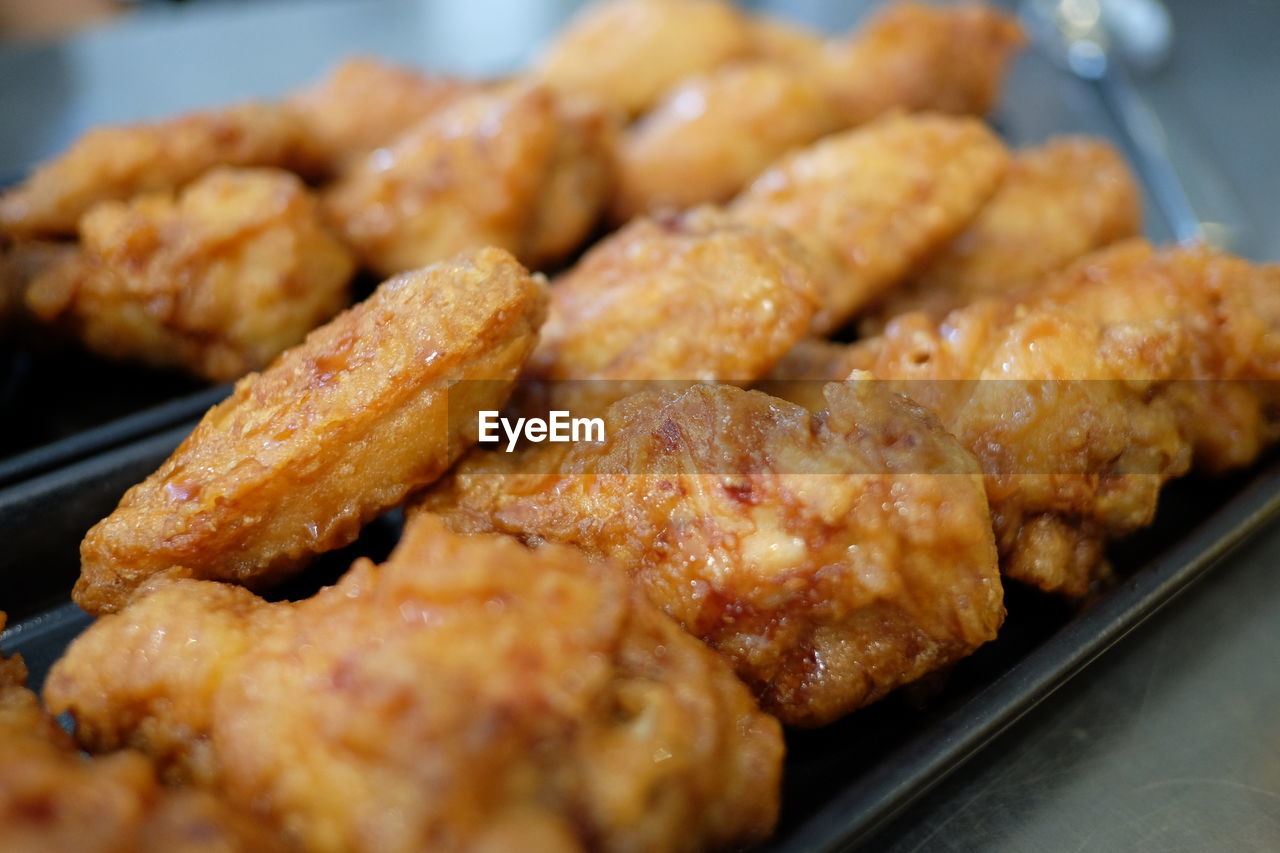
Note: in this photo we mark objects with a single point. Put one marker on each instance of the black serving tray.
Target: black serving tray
(842, 782)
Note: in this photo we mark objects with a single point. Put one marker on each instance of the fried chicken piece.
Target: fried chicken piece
(627, 53)
(1058, 202)
(713, 133)
(1227, 400)
(691, 297)
(1090, 395)
(364, 103)
(468, 694)
(874, 202)
(218, 280)
(918, 57)
(117, 163)
(829, 558)
(517, 168)
(52, 800)
(337, 431)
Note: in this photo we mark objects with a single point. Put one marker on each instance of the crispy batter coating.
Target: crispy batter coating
(117, 163)
(1058, 202)
(218, 280)
(1230, 311)
(830, 558)
(1095, 391)
(364, 103)
(337, 431)
(713, 133)
(468, 694)
(54, 801)
(518, 168)
(915, 56)
(874, 202)
(627, 53)
(691, 297)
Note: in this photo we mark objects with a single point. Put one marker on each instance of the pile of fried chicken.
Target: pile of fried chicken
(595, 645)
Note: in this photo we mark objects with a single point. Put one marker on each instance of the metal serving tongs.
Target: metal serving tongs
(1079, 35)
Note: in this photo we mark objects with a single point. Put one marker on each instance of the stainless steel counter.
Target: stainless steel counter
(1172, 740)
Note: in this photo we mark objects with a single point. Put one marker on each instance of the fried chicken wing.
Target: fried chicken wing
(874, 202)
(54, 801)
(689, 297)
(517, 168)
(917, 57)
(468, 694)
(219, 279)
(1058, 202)
(829, 558)
(335, 432)
(627, 53)
(713, 133)
(363, 104)
(117, 163)
(1083, 400)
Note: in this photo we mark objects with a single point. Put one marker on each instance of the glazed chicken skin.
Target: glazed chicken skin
(1058, 202)
(363, 104)
(117, 163)
(830, 558)
(694, 296)
(714, 132)
(335, 432)
(872, 203)
(627, 53)
(1109, 380)
(470, 694)
(52, 800)
(518, 168)
(217, 280)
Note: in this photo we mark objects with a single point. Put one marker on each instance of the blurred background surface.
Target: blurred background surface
(1172, 741)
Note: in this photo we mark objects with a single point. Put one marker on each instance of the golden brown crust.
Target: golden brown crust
(1058, 202)
(117, 163)
(364, 103)
(54, 801)
(874, 202)
(468, 694)
(627, 53)
(1111, 378)
(713, 133)
(830, 558)
(334, 433)
(218, 280)
(695, 296)
(914, 56)
(489, 169)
